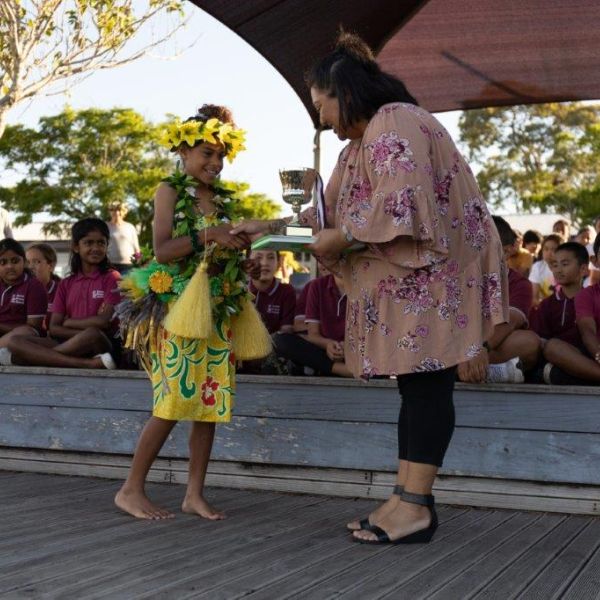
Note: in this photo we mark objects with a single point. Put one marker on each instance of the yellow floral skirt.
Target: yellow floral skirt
(193, 380)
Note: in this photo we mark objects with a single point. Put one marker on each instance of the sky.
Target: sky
(211, 64)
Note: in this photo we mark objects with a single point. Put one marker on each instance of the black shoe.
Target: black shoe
(554, 375)
(422, 536)
(365, 523)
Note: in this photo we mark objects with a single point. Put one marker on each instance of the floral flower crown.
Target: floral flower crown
(211, 131)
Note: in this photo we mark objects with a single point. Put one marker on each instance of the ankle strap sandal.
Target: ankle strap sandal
(398, 490)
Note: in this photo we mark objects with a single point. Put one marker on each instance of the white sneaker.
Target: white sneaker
(507, 372)
(546, 373)
(5, 357)
(107, 360)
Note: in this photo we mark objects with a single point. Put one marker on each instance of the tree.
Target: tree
(43, 42)
(76, 163)
(539, 157)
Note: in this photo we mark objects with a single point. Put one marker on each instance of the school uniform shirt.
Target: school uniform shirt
(300, 312)
(542, 275)
(24, 299)
(326, 305)
(276, 304)
(520, 293)
(587, 304)
(555, 318)
(80, 296)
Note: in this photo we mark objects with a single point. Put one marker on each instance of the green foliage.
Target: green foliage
(539, 157)
(46, 41)
(75, 164)
(250, 205)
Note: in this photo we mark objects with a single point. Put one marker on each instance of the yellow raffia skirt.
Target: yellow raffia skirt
(193, 380)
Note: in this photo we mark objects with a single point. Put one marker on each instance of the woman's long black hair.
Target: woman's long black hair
(79, 231)
(351, 75)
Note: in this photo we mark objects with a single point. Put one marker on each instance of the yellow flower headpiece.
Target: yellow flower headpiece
(211, 131)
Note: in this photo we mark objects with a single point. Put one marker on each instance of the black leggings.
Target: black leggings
(303, 353)
(426, 420)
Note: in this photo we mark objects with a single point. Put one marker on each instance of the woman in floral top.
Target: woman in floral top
(429, 285)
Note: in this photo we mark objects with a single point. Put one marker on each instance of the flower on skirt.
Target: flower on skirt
(160, 282)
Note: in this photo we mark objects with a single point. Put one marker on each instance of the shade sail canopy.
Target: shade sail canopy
(452, 54)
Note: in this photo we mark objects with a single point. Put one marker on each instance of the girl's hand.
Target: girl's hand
(222, 236)
(329, 242)
(254, 227)
(251, 266)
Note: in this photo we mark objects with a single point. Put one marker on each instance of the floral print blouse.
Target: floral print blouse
(431, 283)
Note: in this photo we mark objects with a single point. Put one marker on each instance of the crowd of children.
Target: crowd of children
(553, 333)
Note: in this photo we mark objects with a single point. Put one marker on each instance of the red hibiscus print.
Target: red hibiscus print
(208, 387)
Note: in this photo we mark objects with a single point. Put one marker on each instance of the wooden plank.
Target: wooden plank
(513, 454)
(587, 583)
(300, 576)
(207, 558)
(360, 568)
(516, 578)
(567, 565)
(544, 411)
(502, 548)
(178, 538)
(462, 491)
(303, 381)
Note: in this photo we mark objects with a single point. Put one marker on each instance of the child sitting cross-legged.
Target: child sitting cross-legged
(82, 325)
(512, 348)
(275, 301)
(322, 347)
(570, 321)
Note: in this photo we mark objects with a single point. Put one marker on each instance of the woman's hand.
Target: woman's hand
(223, 236)
(474, 370)
(256, 227)
(329, 242)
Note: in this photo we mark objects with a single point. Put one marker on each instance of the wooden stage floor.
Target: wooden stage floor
(60, 537)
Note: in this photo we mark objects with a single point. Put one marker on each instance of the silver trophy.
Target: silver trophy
(298, 185)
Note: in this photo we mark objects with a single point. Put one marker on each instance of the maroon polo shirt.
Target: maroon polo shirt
(587, 304)
(300, 312)
(555, 318)
(326, 306)
(520, 292)
(80, 296)
(26, 298)
(276, 304)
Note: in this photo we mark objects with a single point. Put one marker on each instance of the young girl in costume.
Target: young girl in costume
(82, 324)
(188, 312)
(23, 298)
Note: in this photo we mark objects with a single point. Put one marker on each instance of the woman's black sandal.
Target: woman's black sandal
(364, 523)
(418, 537)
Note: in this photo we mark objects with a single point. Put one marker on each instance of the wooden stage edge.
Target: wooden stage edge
(458, 491)
(525, 447)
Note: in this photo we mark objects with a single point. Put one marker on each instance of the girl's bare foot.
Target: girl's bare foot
(137, 504)
(378, 514)
(197, 505)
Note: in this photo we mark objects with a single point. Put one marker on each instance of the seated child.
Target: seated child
(541, 274)
(82, 327)
(41, 259)
(520, 259)
(23, 299)
(276, 304)
(322, 348)
(555, 319)
(512, 348)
